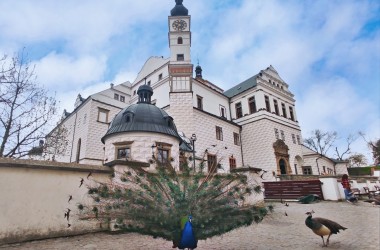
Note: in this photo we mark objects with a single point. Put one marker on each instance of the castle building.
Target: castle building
(253, 124)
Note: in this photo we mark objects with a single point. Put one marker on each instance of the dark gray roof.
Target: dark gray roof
(241, 87)
(179, 9)
(142, 117)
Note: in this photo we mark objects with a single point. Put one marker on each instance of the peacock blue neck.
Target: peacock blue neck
(309, 222)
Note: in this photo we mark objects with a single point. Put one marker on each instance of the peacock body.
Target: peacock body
(323, 227)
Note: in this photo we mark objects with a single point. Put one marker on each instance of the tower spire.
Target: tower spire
(179, 9)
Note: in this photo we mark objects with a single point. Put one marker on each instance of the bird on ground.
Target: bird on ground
(214, 145)
(68, 225)
(375, 201)
(90, 174)
(287, 204)
(323, 227)
(81, 182)
(286, 214)
(308, 198)
(70, 198)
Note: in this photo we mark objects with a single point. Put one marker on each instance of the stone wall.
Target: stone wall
(34, 197)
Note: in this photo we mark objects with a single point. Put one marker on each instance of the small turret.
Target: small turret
(179, 9)
(198, 72)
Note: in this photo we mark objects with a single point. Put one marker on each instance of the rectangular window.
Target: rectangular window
(294, 139)
(276, 133)
(162, 155)
(160, 76)
(123, 153)
(283, 110)
(232, 163)
(134, 92)
(291, 113)
(116, 96)
(211, 163)
(200, 102)
(282, 135)
(180, 57)
(103, 115)
(298, 140)
(219, 133)
(222, 111)
(239, 110)
(252, 105)
(122, 98)
(276, 107)
(236, 139)
(149, 83)
(307, 170)
(267, 103)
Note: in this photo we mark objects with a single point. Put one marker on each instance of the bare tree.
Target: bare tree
(374, 146)
(357, 160)
(350, 139)
(321, 141)
(56, 143)
(25, 107)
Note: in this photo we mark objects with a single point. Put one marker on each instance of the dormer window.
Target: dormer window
(128, 116)
(116, 97)
(179, 40)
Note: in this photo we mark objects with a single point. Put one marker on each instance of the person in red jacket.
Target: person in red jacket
(347, 189)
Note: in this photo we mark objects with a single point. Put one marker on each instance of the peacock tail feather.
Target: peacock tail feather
(155, 203)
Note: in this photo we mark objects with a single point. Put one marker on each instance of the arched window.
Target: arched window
(78, 151)
(179, 40)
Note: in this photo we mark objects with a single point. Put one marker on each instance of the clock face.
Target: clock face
(179, 25)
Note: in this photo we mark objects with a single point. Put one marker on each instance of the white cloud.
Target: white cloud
(63, 72)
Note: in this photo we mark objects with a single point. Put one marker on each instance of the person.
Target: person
(347, 189)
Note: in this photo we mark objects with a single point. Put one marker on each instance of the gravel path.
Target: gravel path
(277, 231)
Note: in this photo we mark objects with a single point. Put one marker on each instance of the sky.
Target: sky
(327, 51)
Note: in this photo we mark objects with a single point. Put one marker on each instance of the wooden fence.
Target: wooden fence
(292, 189)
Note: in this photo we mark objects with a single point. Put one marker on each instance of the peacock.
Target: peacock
(308, 198)
(323, 227)
(181, 207)
(187, 239)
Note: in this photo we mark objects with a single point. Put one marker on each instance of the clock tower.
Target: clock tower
(179, 34)
(180, 69)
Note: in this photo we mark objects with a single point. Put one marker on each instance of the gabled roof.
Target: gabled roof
(310, 152)
(153, 63)
(241, 87)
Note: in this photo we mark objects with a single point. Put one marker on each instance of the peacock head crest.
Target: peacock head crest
(310, 213)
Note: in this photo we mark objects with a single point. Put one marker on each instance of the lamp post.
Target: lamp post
(193, 139)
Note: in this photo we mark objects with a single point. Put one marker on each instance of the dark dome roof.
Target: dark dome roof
(142, 117)
(179, 9)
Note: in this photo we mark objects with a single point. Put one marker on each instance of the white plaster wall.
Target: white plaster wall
(96, 130)
(206, 136)
(211, 100)
(258, 138)
(33, 203)
(331, 190)
(141, 148)
(181, 109)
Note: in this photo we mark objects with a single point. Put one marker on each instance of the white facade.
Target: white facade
(89, 121)
(244, 123)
